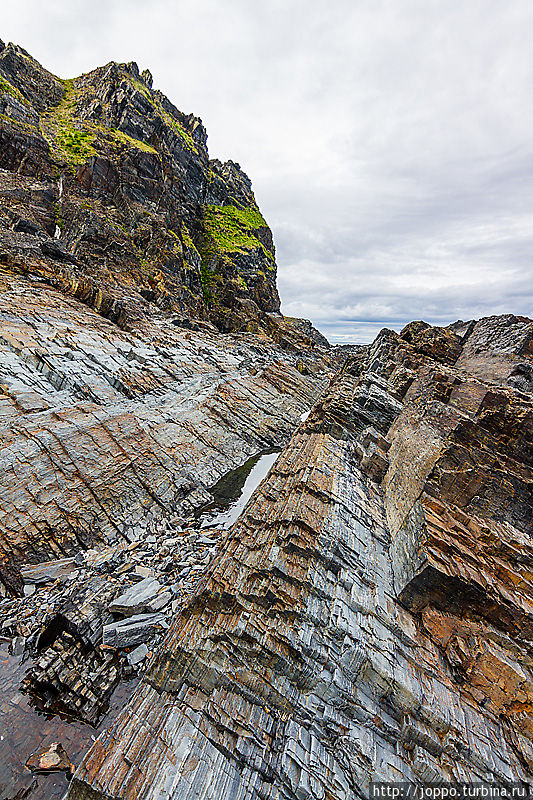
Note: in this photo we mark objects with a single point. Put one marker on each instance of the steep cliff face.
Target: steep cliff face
(367, 617)
(142, 358)
(109, 194)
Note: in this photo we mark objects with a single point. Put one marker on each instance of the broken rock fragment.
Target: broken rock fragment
(138, 655)
(48, 571)
(144, 597)
(134, 630)
(50, 759)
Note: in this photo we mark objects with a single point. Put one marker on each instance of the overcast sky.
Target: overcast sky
(389, 142)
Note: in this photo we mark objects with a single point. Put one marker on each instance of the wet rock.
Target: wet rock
(18, 645)
(71, 674)
(50, 759)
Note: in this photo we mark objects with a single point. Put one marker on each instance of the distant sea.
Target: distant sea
(354, 331)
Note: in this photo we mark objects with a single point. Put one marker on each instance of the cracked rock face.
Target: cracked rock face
(367, 617)
(124, 252)
(364, 619)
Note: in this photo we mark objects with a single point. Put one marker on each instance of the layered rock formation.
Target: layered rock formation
(367, 617)
(124, 252)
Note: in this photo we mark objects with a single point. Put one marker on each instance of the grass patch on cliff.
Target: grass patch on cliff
(186, 238)
(208, 282)
(68, 140)
(75, 144)
(177, 128)
(12, 91)
(229, 229)
(123, 138)
(73, 141)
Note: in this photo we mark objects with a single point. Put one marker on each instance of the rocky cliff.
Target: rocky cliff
(367, 618)
(110, 195)
(366, 615)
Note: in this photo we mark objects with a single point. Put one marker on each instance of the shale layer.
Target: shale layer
(368, 617)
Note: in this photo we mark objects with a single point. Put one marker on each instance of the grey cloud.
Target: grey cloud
(389, 143)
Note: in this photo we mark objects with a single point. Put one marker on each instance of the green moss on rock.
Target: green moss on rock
(123, 138)
(76, 144)
(229, 229)
(177, 128)
(73, 141)
(208, 282)
(186, 238)
(8, 88)
(69, 139)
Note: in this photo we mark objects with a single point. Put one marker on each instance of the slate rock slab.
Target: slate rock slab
(48, 571)
(144, 597)
(133, 631)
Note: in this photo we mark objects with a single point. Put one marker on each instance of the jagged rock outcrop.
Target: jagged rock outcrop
(108, 192)
(124, 252)
(369, 614)
(368, 618)
(104, 426)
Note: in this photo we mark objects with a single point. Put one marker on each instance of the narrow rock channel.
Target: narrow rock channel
(234, 490)
(132, 589)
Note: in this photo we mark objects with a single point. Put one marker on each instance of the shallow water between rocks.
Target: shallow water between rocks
(234, 489)
(24, 729)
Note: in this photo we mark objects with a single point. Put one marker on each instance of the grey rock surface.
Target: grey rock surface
(48, 571)
(368, 616)
(133, 631)
(143, 597)
(138, 655)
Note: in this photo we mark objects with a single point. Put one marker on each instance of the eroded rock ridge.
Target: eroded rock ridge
(368, 617)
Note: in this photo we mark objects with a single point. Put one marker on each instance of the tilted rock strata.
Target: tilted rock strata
(316, 657)
(99, 425)
(124, 251)
(102, 430)
(369, 615)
